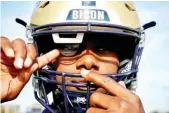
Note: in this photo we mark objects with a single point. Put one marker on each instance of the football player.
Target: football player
(85, 53)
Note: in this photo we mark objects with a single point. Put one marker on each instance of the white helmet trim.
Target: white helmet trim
(77, 39)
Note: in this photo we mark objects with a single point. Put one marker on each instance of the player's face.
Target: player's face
(91, 57)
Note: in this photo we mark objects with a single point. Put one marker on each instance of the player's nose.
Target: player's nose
(88, 62)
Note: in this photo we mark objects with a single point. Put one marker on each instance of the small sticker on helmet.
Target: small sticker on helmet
(88, 3)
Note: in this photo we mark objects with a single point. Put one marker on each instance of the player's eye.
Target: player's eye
(101, 50)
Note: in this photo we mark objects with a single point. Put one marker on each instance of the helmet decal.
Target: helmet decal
(88, 14)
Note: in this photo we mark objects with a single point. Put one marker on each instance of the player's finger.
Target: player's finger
(31, 55)
(47, 58)
(6, 47)
(107, 83)
(20, 50)
(95, 110)
(107, 102)
(6, 60)
(122, 83)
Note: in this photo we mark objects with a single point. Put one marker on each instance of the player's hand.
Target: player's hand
(18, 62)
(121, 99)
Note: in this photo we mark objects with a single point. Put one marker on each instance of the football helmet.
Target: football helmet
(64, 25)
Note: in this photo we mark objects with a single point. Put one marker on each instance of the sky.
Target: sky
(153, 76)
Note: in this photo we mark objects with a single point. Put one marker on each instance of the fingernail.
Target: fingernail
(34, 67)
(122, 83)
(28, 62)
(84, 73)
(19, 63)
(10, 53)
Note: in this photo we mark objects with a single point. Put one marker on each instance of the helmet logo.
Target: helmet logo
(88, 14)
(81, 100)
